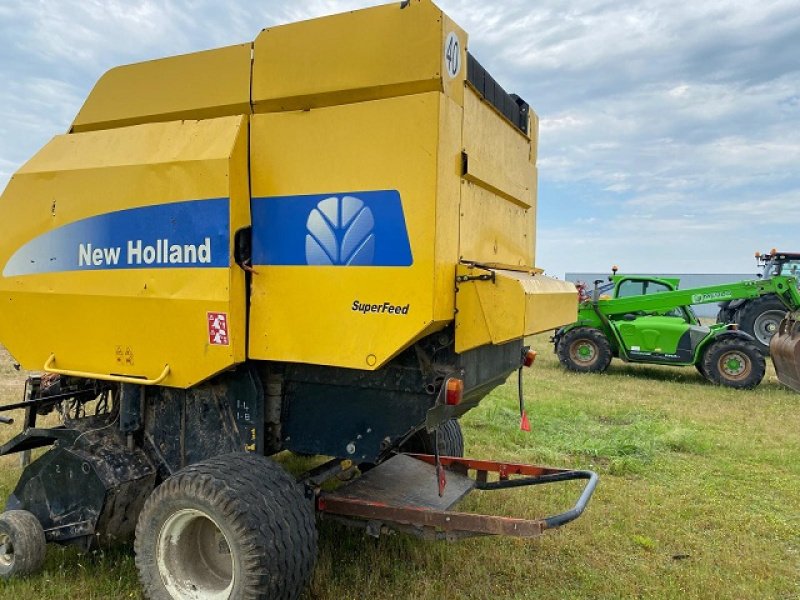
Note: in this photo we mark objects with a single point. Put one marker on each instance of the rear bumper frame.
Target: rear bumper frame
(424, 521)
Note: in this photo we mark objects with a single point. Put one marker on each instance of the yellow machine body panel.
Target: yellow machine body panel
(495, 305)
(201, 85)
(355, 112)
(497, 230)
(498, 201)
(331, 198)
(362, 55)
(119, 258)
(371, 154)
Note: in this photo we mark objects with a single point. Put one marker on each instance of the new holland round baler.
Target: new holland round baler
(321, 241)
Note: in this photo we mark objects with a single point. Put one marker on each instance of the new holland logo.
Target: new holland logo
(344, 229)
(340, 232)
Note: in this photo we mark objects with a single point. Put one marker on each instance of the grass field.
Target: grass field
(698, 498)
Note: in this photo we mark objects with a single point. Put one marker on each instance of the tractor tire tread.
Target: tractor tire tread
(748, 313)
(750, 349)
(272, 523)
(30, 545)
(597, 337)
(451, 440)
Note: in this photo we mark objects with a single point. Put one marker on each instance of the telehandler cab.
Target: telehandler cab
(649, 320)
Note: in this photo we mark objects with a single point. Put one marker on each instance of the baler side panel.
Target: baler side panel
(498, 204)
(362, 55)
(314, 171)
(497, 229)
(202, 85)
(120, 259)
(448, 202)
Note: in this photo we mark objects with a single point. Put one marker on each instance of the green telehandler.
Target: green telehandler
(649, 320)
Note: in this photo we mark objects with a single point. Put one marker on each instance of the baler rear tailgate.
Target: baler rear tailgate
(402, 494)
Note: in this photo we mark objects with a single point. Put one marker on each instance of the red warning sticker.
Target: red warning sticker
(218, 329)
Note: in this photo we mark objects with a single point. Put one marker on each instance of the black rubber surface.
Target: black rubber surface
(592, 336)
(268, 521)
(28, 543)
(747, 315)
(748, 350)
(451, 440)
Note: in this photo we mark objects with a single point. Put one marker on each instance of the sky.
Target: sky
(669, 134)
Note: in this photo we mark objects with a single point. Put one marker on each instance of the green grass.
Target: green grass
(698, 498)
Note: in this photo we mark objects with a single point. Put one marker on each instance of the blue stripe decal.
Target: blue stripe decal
(193, 233)
(336, 229)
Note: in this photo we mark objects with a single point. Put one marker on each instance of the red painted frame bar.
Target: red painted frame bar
(467, 523)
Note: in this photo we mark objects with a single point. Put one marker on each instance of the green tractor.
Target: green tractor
(649, 320)
(761, 316)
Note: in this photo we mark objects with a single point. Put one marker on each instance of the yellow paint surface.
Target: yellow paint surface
(361, 101)
(513, 305)
(132, 321)
(304, 313)
(201, 85)
(362, 55)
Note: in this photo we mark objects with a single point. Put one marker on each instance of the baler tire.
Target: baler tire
(22, 544)
(760, 318)
(591, 338)
(451, 440)
(738, 351)
(241, 505)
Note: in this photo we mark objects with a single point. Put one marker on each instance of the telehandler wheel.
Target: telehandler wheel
(236, 526)
(700, 368)
(451, 440)
(585, 350)
(22, 544)
(760, 318)
(734, 363)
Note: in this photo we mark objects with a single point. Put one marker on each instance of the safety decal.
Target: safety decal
(351, 229)
(218, 329)
(452, 55)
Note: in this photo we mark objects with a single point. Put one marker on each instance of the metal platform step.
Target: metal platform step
(406, 481)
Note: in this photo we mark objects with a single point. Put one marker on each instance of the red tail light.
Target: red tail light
(454, 392)
(529, 357)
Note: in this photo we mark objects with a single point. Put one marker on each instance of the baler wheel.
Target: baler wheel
(235, 526)
(22, 544)
(451, 440)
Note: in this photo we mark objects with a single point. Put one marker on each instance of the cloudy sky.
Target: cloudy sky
(670, 131)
